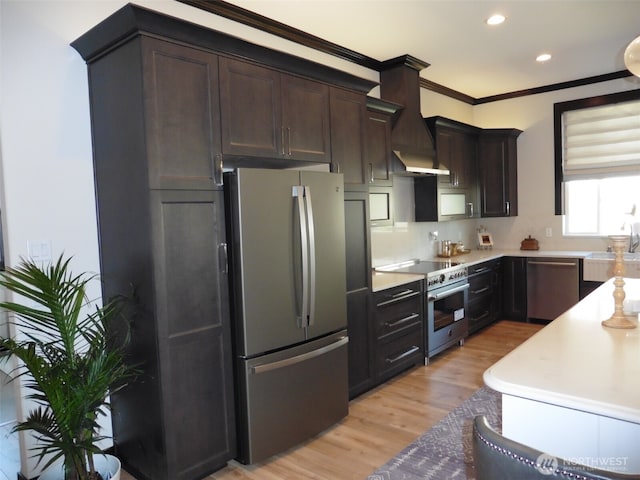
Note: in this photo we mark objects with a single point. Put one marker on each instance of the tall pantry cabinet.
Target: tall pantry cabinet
(155, 122)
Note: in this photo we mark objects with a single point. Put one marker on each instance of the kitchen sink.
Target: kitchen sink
(611, 256)
(598, 266)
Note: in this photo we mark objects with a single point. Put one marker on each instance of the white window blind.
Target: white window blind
(601, 141)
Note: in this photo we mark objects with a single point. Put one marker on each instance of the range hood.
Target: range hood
(411, 140)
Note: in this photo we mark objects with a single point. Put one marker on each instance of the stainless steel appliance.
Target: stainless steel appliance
(288, 290)
(446, 297)
(553, 286)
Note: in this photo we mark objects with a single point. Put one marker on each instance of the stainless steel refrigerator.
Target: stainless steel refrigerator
(288, 288)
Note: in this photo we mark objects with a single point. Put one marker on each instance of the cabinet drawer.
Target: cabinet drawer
(483, 267)
(479, 309)
(480, 285)
(400, 353)
(397, 310)
(391, 324)
(393, 296)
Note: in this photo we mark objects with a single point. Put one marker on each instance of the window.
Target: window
(601, 207)
(597, 163)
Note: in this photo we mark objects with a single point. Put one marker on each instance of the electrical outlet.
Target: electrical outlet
(548, 232)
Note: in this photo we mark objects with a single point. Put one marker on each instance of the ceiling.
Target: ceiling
(586, 37)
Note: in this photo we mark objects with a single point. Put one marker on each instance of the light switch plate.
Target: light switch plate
(39, 250)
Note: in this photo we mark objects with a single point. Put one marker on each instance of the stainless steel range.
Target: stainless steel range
(445, 301)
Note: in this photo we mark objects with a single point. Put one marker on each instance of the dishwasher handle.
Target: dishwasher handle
(560, 264)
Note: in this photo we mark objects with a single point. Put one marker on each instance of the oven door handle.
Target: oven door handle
(432, 297)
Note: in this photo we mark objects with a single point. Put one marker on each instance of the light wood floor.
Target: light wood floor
(383, 421)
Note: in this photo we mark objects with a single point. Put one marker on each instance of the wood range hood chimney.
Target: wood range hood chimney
(411, 140)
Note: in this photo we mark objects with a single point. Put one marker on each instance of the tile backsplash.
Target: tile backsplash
(408, 239)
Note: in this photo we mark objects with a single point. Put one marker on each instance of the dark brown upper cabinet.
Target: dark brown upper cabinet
(456, 149)
(453, 196)
(498, 164)
(181, 108)
(270, 114)
(379, 154)
(348, 116)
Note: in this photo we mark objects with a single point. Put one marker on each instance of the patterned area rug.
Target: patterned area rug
(444, 451)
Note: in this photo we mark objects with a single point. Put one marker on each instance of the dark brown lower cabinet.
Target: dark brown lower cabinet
(485, 294)
(399, 329)
(514, 288)
(361, 365)
(176, 420)
(360, 328)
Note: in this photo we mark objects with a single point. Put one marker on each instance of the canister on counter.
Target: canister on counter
(445, 248)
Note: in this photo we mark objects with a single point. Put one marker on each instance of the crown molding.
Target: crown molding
(260, 22)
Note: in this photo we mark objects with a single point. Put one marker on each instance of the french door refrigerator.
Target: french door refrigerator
(288, 289)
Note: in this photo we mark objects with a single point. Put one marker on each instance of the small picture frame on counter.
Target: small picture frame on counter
(485, 240)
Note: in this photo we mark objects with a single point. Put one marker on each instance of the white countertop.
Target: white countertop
(384, 280)
(577, 363)
(477, 256)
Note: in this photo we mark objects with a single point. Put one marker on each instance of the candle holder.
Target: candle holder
(619, 319)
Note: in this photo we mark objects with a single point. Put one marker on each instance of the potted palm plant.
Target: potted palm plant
(69, 360)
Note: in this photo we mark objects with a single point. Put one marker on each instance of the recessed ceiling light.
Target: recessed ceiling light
(496, 19)
(543, 57)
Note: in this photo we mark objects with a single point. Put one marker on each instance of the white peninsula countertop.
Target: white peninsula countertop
(576, 362)
(573, 389)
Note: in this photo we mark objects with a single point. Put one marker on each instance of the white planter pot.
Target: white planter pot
(107, 465)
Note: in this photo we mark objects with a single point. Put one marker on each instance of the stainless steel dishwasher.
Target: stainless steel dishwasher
(553, 286)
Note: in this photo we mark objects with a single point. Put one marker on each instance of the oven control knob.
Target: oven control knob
(442, 278)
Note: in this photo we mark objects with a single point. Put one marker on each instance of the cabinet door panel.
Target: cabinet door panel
(188, 232)
(359, 321)
(250, 109)
(514, 288)
(356, 215)
(193, 330)
(498, 164)
(183, 123)
(305, 119)
(457, 151)
(198, 379)
(347, 131)
(361, 338)
(378, 149)
(494, 193)
(445, 153)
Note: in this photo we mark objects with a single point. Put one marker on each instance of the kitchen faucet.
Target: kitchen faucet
(634, 240)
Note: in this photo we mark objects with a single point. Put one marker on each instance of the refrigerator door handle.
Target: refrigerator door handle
(223, 258)
(298, 192)
(312, 256)
(299, 358)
